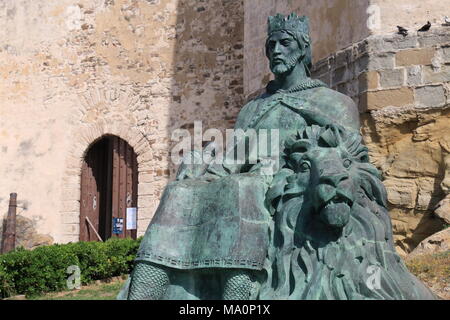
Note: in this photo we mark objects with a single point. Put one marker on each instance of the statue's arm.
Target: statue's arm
(194, 165)
(327, 106)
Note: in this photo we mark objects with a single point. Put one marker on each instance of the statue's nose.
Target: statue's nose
(276, 48)
(334, 179)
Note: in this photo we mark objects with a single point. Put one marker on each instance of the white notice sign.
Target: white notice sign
(131, 218)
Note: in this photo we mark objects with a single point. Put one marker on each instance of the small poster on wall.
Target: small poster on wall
(131, 218)
(117, 225)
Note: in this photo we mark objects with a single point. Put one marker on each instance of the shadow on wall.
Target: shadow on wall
(207, 80)
(26, 234)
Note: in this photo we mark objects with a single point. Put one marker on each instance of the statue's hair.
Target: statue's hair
(324, 263)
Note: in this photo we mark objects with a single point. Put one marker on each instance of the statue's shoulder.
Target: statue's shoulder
(325, 95)
(248, 110)
(335, 105)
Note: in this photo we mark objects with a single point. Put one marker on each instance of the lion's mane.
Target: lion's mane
(309, 260)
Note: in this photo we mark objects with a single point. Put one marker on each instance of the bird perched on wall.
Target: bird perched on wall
(402, 31)
(425, 27)
(446, 21)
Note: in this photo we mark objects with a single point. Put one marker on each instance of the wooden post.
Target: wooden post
(93, 229)
(9, 237)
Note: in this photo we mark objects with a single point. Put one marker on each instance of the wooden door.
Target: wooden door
(124, 183)
(108, 188)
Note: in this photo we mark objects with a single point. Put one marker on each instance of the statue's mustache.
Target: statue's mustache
(286, 60)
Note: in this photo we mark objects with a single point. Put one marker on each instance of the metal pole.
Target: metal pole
(9, 237)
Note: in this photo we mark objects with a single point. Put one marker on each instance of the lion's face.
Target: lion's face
(333, 168)
(331, 182)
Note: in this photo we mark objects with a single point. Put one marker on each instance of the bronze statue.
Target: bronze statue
(316, 227)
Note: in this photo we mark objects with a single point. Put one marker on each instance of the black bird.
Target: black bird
(425, 27)
(402, 31)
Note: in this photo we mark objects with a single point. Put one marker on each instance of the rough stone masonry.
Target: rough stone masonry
(73, 71)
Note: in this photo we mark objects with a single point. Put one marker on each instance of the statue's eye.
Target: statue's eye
(347, 163)
(304, 166)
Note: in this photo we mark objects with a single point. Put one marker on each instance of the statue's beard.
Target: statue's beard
(285, 67)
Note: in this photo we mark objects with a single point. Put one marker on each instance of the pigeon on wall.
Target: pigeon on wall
(446, 21)
(425, 27)
(402, 31)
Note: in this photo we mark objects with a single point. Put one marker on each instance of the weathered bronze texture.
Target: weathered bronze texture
(315, 228)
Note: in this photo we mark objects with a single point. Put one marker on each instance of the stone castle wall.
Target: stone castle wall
(73, 71)
(334, 24)
(402, 88)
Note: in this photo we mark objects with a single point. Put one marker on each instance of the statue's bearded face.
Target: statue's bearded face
(283, 52)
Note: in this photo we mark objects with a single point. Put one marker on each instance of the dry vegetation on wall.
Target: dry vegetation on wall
(434, 270)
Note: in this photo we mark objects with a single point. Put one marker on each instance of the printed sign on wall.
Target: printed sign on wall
(117, 225)
(131, 218)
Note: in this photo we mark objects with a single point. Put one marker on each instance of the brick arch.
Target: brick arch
(83, 138)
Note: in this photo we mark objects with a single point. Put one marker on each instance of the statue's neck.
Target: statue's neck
(290, 80)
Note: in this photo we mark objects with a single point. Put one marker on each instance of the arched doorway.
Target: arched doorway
(108, 204)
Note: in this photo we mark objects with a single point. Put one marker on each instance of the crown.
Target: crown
(291, 23)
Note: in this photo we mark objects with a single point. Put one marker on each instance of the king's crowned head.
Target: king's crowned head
(291, 23)
(298, 28)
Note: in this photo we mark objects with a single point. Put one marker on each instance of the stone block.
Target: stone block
(435, 37)
(326, 78)
(339, 75)
(430, 75)
(430, 96)
(352, 88)
(401, 192)
(146, 214)
(392, 43)
(321, 67)
(71, 193)
(342, 58)
(445, 53)
(382, 61)
(368, 81)
(70, 217)
(362, 64)
(71, 228)
(66, 238)
(146, 201)
(415, 57)
(342, 88)
(414, 159)
(146, 177)
(392, 78)
(146, 188)
(426, 198)
(414, 76)
(443, 209)
(436, 243)
(375, 100)
(70, 206)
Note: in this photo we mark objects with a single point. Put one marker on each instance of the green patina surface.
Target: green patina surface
(315, 228)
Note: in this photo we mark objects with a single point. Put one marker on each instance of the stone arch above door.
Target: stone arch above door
(83, 138)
